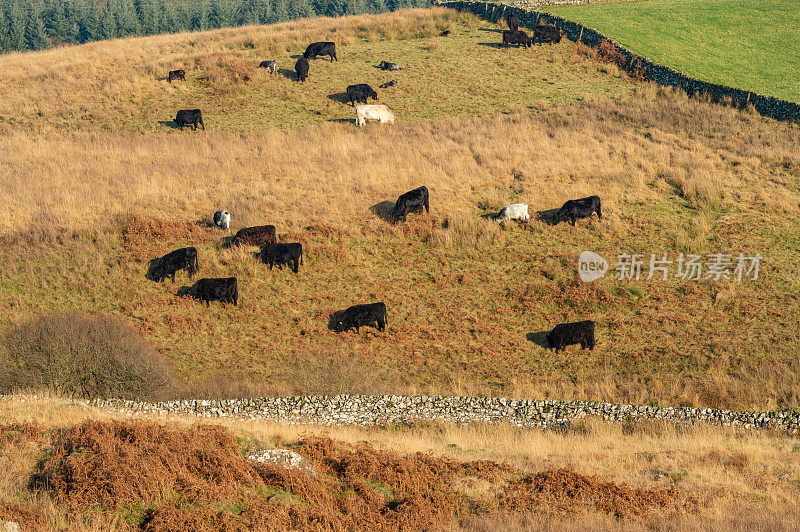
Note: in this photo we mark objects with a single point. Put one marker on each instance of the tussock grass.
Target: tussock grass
(464, 295)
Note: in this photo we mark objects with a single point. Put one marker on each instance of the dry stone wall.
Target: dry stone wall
(387, 410)
(764, 105)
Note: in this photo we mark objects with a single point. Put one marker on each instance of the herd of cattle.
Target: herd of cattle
(361, 92)
(290, 254)
(542, 33)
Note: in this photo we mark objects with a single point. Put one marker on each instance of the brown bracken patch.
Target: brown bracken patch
(199, 479)
(146, 238)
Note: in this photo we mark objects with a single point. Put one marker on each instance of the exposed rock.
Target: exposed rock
(283, 458)
(9, 526)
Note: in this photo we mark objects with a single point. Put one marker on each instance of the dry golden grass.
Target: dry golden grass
(467, 299)
(741, 479)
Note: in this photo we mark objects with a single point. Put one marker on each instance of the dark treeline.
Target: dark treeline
(39, 24)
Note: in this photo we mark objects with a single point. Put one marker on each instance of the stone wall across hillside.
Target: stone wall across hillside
(764, 105)
(387, 410)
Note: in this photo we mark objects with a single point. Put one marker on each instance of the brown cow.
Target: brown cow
(544, 33)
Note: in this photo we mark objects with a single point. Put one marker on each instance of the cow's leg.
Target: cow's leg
(202, 124)
(572, 220)
(381, 324)
(295, 265)
(599, 214)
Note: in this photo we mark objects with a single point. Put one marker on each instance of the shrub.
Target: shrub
(80, 355)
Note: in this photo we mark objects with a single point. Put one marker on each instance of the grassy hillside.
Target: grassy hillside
(738, 479)
(468, 301)
(121, 85)
(748, 44)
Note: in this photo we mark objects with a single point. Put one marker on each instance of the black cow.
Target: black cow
(176, 75)
(412, 201)
(387, 84)
(321, 48)
(360, 93)
(389, 66)
(180, 259)
(520, 38)
(545, 33)
(370, 315)
(289, 254)
(260, 235)
(580, 332)
(223, 289)
(579, 208)
(301, 67)
(190, 117)
(513, 22)
(445, 33)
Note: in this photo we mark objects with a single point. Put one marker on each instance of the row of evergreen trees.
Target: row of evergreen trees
(39, 24)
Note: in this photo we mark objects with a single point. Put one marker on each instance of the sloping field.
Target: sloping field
(469, 301)
(121, 85)
(749, 44)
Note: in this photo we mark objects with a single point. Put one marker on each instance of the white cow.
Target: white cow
(373, 112)
(222, 219)
(517, 211)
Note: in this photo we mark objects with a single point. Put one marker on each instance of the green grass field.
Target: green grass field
(748, 44)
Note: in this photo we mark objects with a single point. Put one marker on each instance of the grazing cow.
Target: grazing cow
(260, 235)
(389, 66)
(223, 289)
(289, 254)
(412, 201)
(579, 208)
(387, 84)
(359, 93)
(166, 266)
(176, 75)
(301, 67)
(516, 211)
(545, 33)
(564, 334)
(222, 219)
(513, 22)
(321, 48)
(370, 315)
(520, 38)
(373, 112)
(445, 33)
(271, 65)
(190, 117)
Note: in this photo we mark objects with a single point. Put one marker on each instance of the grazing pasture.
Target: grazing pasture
(750, 45)
(469, 301)
(121, 85)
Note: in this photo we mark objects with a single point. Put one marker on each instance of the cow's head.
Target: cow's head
(336, 323)
(184, 291)
(153, 273)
